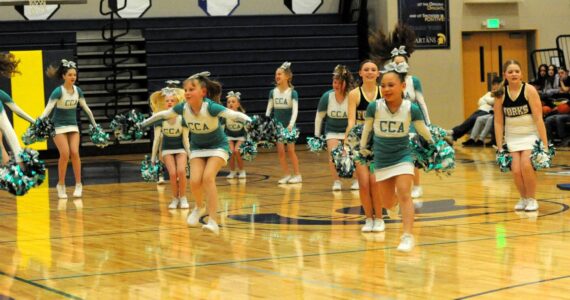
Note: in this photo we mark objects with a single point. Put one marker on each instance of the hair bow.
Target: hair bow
(286, 65)
(68, 63)
(340, 70)
(201, 74)
(172, 82)
(232, 94)
(168, 91)
(399, 51)
(398, 68)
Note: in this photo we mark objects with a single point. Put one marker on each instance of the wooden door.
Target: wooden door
(484, 54)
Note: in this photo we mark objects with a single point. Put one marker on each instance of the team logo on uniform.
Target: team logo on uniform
(218, 7)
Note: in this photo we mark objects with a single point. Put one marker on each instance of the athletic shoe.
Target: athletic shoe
(337, 185)
(355, 185)
(184, 203)
(284, 180)
(78, 190)
(212, 226)
(368, 225)
(174, 203)
(417, 191)
(478, 143)
(406, 243)
(521, 205)
(295, 179)
(194, 216)
(468, 143)
(379, 225)
(232, 175)
(61, 191)
(532, 205)
(242, 174)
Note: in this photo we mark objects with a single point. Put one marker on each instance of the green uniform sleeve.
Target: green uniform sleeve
(215, 109)
(80, 92)
(294, 95)
(56, 94)
(179, 108)
(324, 102)
(416, 113)
(371, 110)
(417, 84)
(5, 98)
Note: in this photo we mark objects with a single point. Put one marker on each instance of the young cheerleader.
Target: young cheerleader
(358, 100)
(63, 102)
(209, 145)
(284, 100)
(236, 136)
(8, 68)
(171, 136)
(398, 48)
(391, 118)
(334, 106)
(518, 111)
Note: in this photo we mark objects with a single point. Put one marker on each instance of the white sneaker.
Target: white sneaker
(174, 203)
(184, 203)
(232, 175)
(379, 225)
(61, 191)
(521, 205)
(355, 185)
(284, 180)
(532, 205)
(194, 216)
(212, 226)
(160, 180)
(295, 179)
(337, 186)
(417, 191)
(406, 243)
(78, 190)
(368, 225)
(242, 174)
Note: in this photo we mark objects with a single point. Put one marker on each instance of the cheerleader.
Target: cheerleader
(8, 68)
(334, 106)
(171, 137)
(391, 118)
(358, 100)
(63, 102)
(235, 132)
(284, 100)
(209, 145)
(518, 111)
(398, 49)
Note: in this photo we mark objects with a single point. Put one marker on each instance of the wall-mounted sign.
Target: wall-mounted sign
(430, 21)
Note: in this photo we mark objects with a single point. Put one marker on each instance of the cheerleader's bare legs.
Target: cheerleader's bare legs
(203, 180)
(68, 146)
(176, 166)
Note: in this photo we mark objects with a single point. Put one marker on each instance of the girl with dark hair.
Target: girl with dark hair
(236, 136)
(334, 107)
(209, 145)
(63, 102)
(518, 120)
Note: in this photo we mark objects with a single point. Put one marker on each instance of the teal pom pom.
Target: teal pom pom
(504, 159)
(285, 136)
(438, 157)
(150, 172)
(354, 135)
(18, 181)
(540, 158)
(343, 161)
(39, 131)
(316, 144)
(99, 137)
(126, 126)
(248, 150)
(262, 131)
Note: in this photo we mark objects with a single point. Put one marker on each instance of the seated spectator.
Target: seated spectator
(483, 126)
(556, 124)
(540, 79)
(563, 84)
(485, 107)
(551, 86)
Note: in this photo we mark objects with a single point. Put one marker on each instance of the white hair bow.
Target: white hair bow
(232, 94)
(68, 63)
(286, 65)
(168, 91)
(398, 68)
(201, 74)
(172, 82)
(399, 51)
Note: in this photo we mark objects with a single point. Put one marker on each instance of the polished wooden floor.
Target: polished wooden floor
(286, 242)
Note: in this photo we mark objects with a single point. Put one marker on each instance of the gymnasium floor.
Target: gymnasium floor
(285, 242)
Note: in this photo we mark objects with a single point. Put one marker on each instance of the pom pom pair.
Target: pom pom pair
(127, 126)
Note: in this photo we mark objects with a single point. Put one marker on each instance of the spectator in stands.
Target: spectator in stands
(556, 124)
(551, 86)
(485, 107)
(540, 79)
